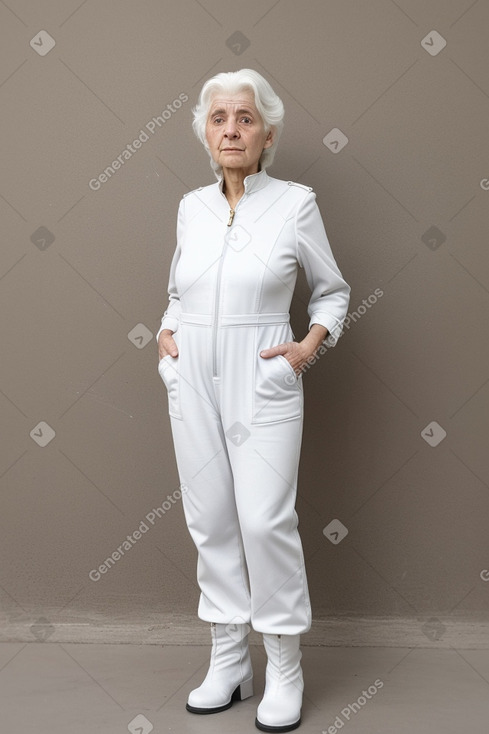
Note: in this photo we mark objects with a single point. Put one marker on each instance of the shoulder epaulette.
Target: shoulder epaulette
(191, 192)
(302, 186)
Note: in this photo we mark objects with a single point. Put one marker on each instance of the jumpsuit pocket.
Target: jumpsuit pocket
(168, 369)
(277, 394)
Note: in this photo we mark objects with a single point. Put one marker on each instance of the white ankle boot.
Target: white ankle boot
(280, 709)
(230, 677)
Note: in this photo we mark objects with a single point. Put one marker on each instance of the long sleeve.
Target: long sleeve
(330, 294)
(171, 317)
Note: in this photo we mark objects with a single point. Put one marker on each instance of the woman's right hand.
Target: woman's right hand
(167, 344)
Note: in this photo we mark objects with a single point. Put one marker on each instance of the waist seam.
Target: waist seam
(255, 319)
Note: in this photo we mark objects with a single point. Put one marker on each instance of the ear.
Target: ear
(270, 138)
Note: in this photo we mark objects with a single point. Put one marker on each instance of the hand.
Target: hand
(293, 352)
(297, 353)
(167, 344)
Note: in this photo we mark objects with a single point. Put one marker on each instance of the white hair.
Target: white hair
(268, 104)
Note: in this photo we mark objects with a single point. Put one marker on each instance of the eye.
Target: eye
(217, 119)
(246, 119)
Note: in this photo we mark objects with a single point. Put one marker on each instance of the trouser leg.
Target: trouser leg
(203, 466)
(211, 515)
(265, 470)
(262, 400)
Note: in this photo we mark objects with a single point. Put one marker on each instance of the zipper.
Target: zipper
(232, 212)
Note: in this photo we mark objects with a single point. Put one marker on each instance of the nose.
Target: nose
(231, 130)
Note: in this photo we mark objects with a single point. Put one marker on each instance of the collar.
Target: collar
(254, 182)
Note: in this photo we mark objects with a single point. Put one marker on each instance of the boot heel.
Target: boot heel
(244, 690)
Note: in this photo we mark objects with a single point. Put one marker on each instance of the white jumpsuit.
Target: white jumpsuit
(236, 417)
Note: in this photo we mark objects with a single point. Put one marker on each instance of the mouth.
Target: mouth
(233, 150)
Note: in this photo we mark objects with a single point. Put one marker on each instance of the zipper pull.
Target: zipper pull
(231, 217)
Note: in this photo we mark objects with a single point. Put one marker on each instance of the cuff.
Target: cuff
(167, 322)
(331, 323)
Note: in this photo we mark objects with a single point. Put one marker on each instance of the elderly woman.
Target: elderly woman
(232, 370)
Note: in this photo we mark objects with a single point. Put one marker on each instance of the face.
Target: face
(235, 132)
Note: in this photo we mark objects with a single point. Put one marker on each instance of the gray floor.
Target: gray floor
(61, 688)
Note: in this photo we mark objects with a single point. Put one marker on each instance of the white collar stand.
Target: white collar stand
(253, 182)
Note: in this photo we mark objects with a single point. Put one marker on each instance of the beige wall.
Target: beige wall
(405, 205)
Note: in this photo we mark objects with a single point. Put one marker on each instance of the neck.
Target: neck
(233, 184)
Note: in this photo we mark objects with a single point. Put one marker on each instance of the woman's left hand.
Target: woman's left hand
(297, 353)
(292, 351)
